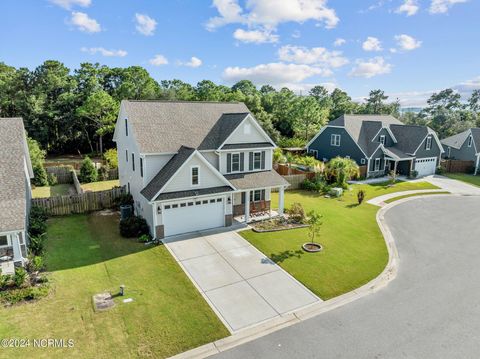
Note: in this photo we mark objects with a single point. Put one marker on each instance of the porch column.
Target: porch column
(281, 200)
(247, 206)
(395, 167)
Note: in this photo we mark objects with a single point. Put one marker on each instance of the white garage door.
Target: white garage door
(193, 215)
(426, 166)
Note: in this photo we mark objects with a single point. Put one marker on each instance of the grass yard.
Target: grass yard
(414, 195)
(57, 190)
(85, 256)
(100, 186)
(354, 249)
(475, 180)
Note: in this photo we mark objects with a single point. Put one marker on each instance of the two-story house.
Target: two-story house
(464, 146)
(379, 143)
(15, 194)
(192, 166)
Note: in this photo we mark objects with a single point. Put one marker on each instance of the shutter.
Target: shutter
(243, 197)
(250, 161)
(229, 162)
(262, 195)
(262, 165)
(242, 160)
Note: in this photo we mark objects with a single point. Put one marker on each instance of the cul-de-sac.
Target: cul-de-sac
(239, 179)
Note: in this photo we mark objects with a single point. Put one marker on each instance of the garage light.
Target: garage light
(159, 209)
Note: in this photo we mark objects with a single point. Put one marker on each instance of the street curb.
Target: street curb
(388, 274)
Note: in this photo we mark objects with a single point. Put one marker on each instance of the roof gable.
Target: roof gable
(163, 126)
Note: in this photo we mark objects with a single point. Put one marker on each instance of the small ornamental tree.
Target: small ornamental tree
(88, 172)
(315, 222)
(111, 157)
(360, 196)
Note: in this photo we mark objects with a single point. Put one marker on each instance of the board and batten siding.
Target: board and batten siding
(435, 151)
(347, 147)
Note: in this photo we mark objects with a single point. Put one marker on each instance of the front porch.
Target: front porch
(255, 205)
(6, 260)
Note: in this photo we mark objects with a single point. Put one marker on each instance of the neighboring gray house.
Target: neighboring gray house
(381, 143)
(464, 146)
(15, 193)
(192, 166)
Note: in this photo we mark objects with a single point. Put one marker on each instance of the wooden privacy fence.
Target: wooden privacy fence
(286, 170)
(296, 180)
(63, 173)
(80, 203)
(459, 166)
(76, 183)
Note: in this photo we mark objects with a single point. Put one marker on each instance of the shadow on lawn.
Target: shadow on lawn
(282, 256)
(81, 240)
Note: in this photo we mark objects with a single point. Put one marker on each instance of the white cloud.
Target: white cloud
(194, 62)
(407, 43)
(312, 56)
(270, 13)
(409, 7)
(371, 67)
(104, 52)
(68, 4)
(255, 36)
(145, 24)
(85, 23)
(442, 6)
(304, 88)
(372, 44)
(339, 42)
(158, 60)
(273, 73)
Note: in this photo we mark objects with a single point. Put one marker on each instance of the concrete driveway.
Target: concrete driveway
(241, 284)
(431, 310)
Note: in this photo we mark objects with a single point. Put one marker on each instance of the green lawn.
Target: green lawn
(86, 256)
(57, 190)
(414, 195)
(354, 250)
(101, 185)
(475, 180)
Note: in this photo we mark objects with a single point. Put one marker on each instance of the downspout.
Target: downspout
(478, 163)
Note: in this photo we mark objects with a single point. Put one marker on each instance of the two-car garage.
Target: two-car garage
(193, 215)
(426, 166)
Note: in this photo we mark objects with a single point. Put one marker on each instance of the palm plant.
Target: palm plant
(340, 170)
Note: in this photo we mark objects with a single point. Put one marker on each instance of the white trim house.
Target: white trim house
(192, 166)
(15, 194)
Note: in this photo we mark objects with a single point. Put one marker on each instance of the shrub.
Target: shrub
(297, 213)
(37, 212)
(340, 170)
(124, 200)
(35, 263)
(5, 281)
(413, 174)
(37, 244)
(133, 227)
(23, 294)
(440, 170)
(111, 157)
(36, 227)
(52, 179)
(20, 277)
(103, 173)
(291, 142)
(144, 238)
(88, 172)
(37, 158)
(40, 177)
(360, 196)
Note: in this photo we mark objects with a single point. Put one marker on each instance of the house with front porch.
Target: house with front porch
(192, 166)
(15, 194)
(379, 144)
(464, 146)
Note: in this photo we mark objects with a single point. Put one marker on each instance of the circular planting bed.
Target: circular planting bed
(312, 247)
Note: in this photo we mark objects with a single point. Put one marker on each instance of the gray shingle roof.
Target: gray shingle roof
(395, 153)
(162, 126)
(256, 179)
(409, 137)
(162, 177)
(225, 125)
(235, 146)
(353, 123)
(13, 197)
(193, 193)
(456, 141)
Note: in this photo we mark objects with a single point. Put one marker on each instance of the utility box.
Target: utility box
(336, 192)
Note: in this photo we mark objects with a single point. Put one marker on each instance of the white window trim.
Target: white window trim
(231, 162)
(260, 160)
(333, 139)
(376, 168)
(314, 153)
(383, 139)
(362, 161)
(9, 241)
(191, 176)
(429, 143)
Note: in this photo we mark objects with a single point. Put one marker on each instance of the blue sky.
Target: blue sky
(409, 48)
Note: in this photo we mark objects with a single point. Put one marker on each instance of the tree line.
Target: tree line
(75, 111)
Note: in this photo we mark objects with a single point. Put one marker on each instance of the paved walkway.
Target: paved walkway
(431, 309)
(241, 284)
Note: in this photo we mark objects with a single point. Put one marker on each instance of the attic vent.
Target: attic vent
(247, 129)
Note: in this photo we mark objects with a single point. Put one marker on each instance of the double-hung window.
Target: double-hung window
(257, 160)
(382, 139)
(3, 241)
(235, 162)
(195, 176)
(335, 140)
(428, 145)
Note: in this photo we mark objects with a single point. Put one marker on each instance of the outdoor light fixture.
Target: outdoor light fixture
(229, 200)
(159, 209)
